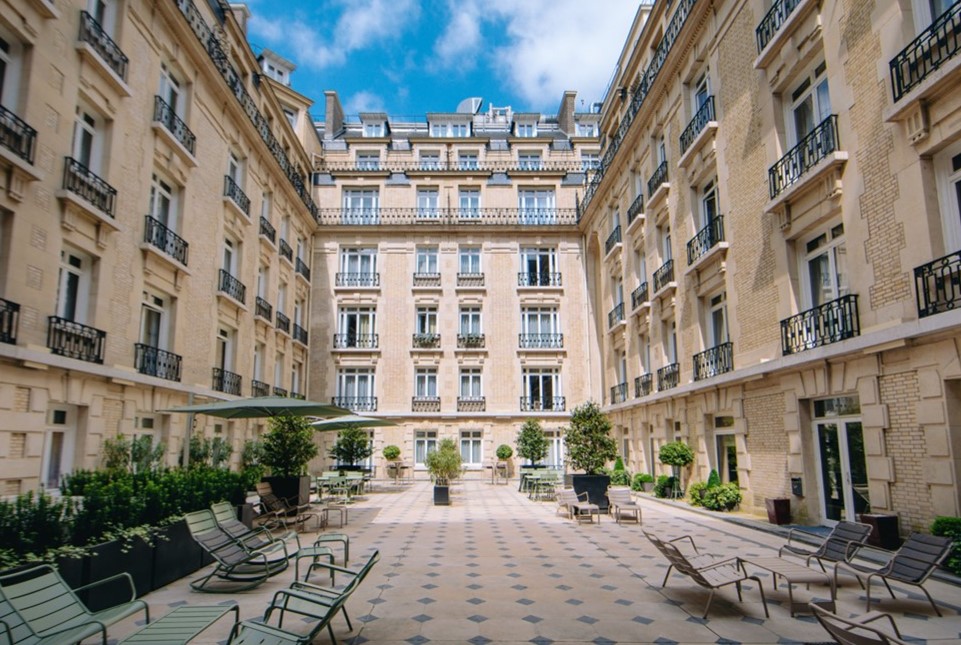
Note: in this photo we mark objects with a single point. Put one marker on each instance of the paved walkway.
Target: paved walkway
(496, 567)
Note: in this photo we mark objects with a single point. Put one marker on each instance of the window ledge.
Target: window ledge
(150, 249)
(71, 199)
(223, 297)
(355, 351)
(660, 193)
(808, 181)
(716, 253)
(938, 83)
(46, 9)
(172, 141)
(20, 174)
(704, 139)
(615, 253)
(619, 326)
(636, 223)
(666, 291)
(785, 33)
(232, 205)
(90, 55)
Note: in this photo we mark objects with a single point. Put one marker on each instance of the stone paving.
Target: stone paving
(496, 567)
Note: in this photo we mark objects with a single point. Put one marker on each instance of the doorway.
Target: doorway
(841, 464)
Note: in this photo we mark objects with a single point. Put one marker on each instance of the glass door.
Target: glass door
(842, 470)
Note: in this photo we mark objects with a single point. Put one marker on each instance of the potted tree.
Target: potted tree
(288, 446)
(503, 465)
(532, 444)
(352, 447)
(444, 466)
(392, 454)
(589, 447)
(676, 454)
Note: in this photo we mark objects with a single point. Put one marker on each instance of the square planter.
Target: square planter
(176, 556)
(108, 559)
(441, 495)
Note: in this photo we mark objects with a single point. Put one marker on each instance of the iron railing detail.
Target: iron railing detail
(353, 279)
(225, 381)
(165, 115)
(81, 181)
(263, 309)
(938, 285)
(425, 404)
(285, 250)
(282, 322)
(703, 116)
(279, 391)
(301, 267)
(934, 47)
(815, 146)
(356, 403)
(471, 341)
(426, 340)
(470, 279)
(9, 321)
(356, 341)
(74, 340)
(233, 192)
(664, 275)
(635, 209)
(471, 403)
(426, 279)
(299, 334)
(298, 395)
(232, 287)
(540, 341)
(668, 376)
(543, 403)
(259, 388)
(771, 22)
(452, 164)
(642, 385)
(659, 177)
(831, 322)
(400, 216)
(618, 393)
(705, 240)
(267, 230)
(109, 52)
(615, 315)
(639, 296)
(154, 361)
(160, 237)
(538, 279)
(714, 361)
(612, 240)
(17, 136)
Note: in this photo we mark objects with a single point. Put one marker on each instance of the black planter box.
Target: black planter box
(296, 489)
(71, 570)
(108, 559)
(176, 556)
(778, 510)
(595, 486)
(441, 495)
(884, 530)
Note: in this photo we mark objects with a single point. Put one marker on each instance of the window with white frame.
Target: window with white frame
(296, 377)
(701, 92)
(542, 388)
(525, 129)
(105, 13)
(426, 320)
(360, 204)
(171, 92)
(298, 318)
(810, 104)
(235, 169)
(260, 353)
(664, 242)
(708, 200)
(425, 442)
(73, 292)
(529, 160)
(281, 297)
(426, 257)
(154, 320)
(58, 444)
(471, 448)
(231, 257)
(425, 383)
(356, 326)
(927, 11)
(536, 205)
(468, 203)
(717, 320)
(291, 115)
(947, 167)
(669, 341)
(373, 129)
(457, 130)
(429, 160)
(88, 139)
(11, 65)
(470, 321)
(469, 260)
(824, 273)
(661, 150)
(640, 266)
(368, 160)
(428, 199)
(538, 261)
(556, 453)
(358, 262)
(470, 383)
(539, 320)
(356, 385)
(226, 341)
(285, 227)
(467, 160)
(279, 360)
(590, 161)
(586, 129)
(164, 203)
(644, 353)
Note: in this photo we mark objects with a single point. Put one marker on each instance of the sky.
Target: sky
(410, 57)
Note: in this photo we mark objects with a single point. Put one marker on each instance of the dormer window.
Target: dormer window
(526, 129)
(586, 129)
(368, 160)
(373, 129)
(460, 130)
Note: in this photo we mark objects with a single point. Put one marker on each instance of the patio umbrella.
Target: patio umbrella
(259, 407)
(350, 421)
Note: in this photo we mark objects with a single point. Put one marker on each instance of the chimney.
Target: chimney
(565, 116)
(334, 119)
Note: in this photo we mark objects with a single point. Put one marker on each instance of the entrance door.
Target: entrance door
(843, 473)
(58, 445)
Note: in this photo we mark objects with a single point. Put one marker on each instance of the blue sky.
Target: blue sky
(410, 57)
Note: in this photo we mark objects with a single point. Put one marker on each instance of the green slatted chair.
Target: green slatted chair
(256, 539)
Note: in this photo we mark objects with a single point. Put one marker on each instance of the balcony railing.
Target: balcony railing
(356, 403)
(9, 321)
(426, 279)
(81, 181)
(470, 279)
(659, 177)
(705, 240)
(93, 34)
(154, 361)
(668, 377)
(540, 341)
(471, 341)
(815, 146)
(543, 403)
(357, 279)
(259, 388)
(73, 340)
(471, 403)
(301, 267)
(772, 21)
(160, 237)
(233, 192)
(639, 296)
(376, 216)
(635, 209)
(425, 404)
(16, 136)
(828, 323)
(356, 341)
(267, 230)
(279, 391)
(642, 385)
(300, 334)
(612, 240)
(538, 279)
(262, 309)
(714, 361)
(699, 121)
(165, 115)
(934, 47)
(615, 315)
(664, 276)
(618, 393)
(283, 322)
(335, 166)
(286, 251)
(939, 285)
(226, 382)
(232, 287)
(294, 394)
(426, 340)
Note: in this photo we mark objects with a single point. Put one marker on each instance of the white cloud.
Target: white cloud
(364, 102)
(461, 38)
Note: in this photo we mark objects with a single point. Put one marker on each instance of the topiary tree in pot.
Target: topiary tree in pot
(288, 446)
(589, 447)
(676, 454)
(444, 465)
(392, 455)
(352, 447)
(503, 466)
(532, 444)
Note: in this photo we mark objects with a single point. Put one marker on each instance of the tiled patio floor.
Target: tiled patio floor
(496, 567)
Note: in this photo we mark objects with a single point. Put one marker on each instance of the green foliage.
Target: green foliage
(676, 453)
(723, 497)
(618, 464)
(220, 451)
(33, 523)
(252, 454)
(144, 455)
(444, 464)
(391, 452)
(504, 451)
(620, 477)
(663, 486)
(289, 446)
(695, 493)
(637, 483)
(588, 439)
(352, 446)
(713, 479)
(116, 453)
(950, 527)
(532, 444)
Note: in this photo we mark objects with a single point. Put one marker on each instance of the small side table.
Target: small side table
(793, 572)
(181, 625)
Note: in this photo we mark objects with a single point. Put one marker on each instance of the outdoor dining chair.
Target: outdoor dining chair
(839, 545)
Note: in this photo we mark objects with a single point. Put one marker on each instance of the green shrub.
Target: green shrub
(713, 479)
(663, 486)
(620, 478)
(33, 524)
(445, 462)
(695, 492)
(723, 497)
(391, 452)
(588, 439)
(289, 446)
(353, 446)
(532, 444)
(637, 483)
(618, 463)
(676, 453)
(116, 453)
(950, 527)
(504, 451)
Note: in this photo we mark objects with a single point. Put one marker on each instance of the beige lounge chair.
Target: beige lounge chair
(857, 631)
(622, 505)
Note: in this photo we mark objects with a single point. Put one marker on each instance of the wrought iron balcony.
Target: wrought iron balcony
(434, 165)
(356, 403)
(635, 209)
(659, 177)
(301, 267)
(615, 315)
(233, 192)
(612, 240)
(283, 322)
(543, 403)
(699, 121)
(357, 280)
(73, 340)
(815, 146)
(425, 404)
(9, 321)
(16, 136)
(668, 377)
(226, 382)
(109, 52)
(664, 275)
(426, 340)
(259, 388)
(471, 403)
(934, 47)
(538, 279)
(772, 21)
(279, 391)
(232, 287)
(705, 240)
(470, 279)
(540, 341)
(298, 395)
(165, 115)
(639, 296)
(471, 341)
(618, 393)
(376, 216)
(356, 341)
(939, 285)
(714, 361)
(262, 309)
(154, 361)
(538, 216)
(160, 237)
(642, 385)
(426, 279)
(300, 334)
(267, 230)
(831, 322)
(81, 181)
(285, 250)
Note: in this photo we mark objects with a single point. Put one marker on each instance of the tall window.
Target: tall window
(170, 90)
(471, 452)
(226, 339)
(470, 383)
(279, 361)
(425, 441)
(263, 281)
(73, 291)
(360, 204)
(231, 257)
(235, 169)
(670, 341)
(539, 320)
(467, 160)
(358, 262)
(356, 326)
(427, 202)
(469, 260)
(104, 12)
(644, 353)
(590, 161)
(824, 267)
(810, 103)
(58, 445)
(640, 266)
(154, 322)
(556, 454)
(88, 139)
(717, 314)
(260, 352)
(427, 260)
(426, 322)
(425, 382)
(356, 384)
(281, 297)
(708, 203)
(947, 166)
(468, 202)
(538, 261)
(429, 160)
(536, 205)
(11, 55)
(542, 387)
(470, 321)
(296, 377)
(164, 202)
(701, 92)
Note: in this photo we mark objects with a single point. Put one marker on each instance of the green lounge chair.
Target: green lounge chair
(253, 633)
(256, 539)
